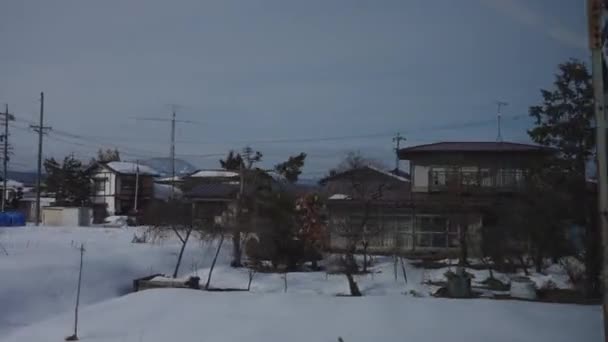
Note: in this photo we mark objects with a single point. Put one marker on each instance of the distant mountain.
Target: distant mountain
(28, 178)
(163, 166)
(308, 181)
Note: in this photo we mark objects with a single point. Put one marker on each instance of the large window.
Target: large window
(99, 184)
(435, 232)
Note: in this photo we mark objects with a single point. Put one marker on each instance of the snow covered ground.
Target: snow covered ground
(38, 283)
(38, 277)
(187, 315)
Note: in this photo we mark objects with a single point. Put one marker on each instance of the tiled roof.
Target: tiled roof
(214, 190)
(472, 146)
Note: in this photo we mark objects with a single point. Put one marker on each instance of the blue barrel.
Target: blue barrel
(5, 220)
(16, 219)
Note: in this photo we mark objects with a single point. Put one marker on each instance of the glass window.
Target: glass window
(100, 184)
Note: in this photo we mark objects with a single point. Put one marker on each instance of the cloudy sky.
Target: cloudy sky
(318, 76)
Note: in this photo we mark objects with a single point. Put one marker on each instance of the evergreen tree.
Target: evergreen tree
(232, 162)
(564, 121)
(69, 181)
(292, 168)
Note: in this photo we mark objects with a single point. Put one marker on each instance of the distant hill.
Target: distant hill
(163, 166)
(28, 178)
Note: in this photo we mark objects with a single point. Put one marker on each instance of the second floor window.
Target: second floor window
(99, 184)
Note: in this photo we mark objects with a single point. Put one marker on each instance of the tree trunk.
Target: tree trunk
(365, 244)
(352, 284)
(592, 260)
(523, 264)
(236, 250)
(464, 253)
(217, 252)
(181, 253)
(538, 260)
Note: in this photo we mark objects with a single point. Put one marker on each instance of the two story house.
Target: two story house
(114, 186)
(450, 188)
(453, 184)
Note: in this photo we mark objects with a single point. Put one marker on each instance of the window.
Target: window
(433, 232)
(99, 184)
(128, 184)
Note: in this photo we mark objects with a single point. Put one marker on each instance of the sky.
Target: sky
(319, 76)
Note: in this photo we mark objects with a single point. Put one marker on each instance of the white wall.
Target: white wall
(107, 194)
(420, 179)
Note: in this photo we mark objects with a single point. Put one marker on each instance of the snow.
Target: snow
(390, 174)
(189, 315)
(38, 277)
(131, 168)
(339, 197)
(214, 173)
(37, 294)
(12, 184)
(163, 191)
(171, 179)
(115, 221)
(554, 276)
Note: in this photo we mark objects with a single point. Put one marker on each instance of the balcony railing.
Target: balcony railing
(476, 181)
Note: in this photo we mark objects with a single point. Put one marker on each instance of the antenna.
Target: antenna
(397, 140)
(500, 104)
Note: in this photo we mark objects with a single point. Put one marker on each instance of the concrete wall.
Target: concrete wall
(64, 216)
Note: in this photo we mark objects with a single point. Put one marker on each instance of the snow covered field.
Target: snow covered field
(38, 280)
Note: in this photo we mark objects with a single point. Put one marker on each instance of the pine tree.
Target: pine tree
(564, 121)
(69, 182)
(292, 168)
(232, 162)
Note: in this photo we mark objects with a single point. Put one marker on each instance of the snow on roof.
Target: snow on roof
(131, 168)
(339, 197)
(388, 173)
(369, 167)
(163, 191)
(170, 179)
(214, 173)
(12, 184)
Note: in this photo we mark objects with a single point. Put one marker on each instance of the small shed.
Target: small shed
(67, 216)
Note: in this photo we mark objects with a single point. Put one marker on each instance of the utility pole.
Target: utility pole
(173, 121)
(74, 337)
(7, 117)
(500, 104)
(172, 152)
(595, 12)
(41, 129)
(397, 140)
(136, 187)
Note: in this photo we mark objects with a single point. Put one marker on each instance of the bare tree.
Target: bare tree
(217, 253)
(358, 225)
(175, 216)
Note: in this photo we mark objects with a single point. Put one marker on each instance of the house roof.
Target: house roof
(214, 174)
(473, 146)
(164, 191)
(367, 167)
(214, 191)
(128, 168)
(170, 179)
(11, 184)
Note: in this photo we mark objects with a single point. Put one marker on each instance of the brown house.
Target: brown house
(451, 187)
